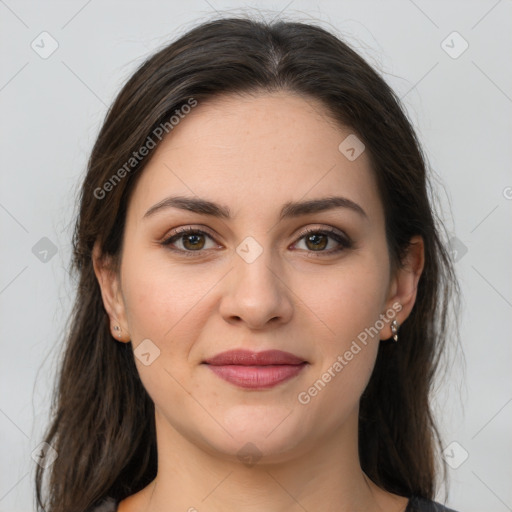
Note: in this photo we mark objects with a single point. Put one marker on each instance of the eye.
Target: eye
(191, 239)
(316, 240)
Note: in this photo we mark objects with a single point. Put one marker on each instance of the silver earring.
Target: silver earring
(118, 330)
(394, 329)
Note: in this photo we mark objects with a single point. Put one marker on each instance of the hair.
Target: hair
(102, 423)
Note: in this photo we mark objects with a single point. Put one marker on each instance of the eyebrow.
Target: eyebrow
(289, 209)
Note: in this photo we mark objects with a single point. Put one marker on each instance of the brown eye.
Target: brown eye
(316, 241)
(193, 241)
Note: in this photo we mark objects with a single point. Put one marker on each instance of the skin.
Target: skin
(253, 154)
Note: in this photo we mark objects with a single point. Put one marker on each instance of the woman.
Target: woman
(263, 290)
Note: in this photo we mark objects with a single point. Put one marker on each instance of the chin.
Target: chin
(259, 434)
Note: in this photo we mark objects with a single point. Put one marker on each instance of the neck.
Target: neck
(324, 477)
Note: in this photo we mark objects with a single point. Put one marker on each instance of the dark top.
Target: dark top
(415, 505)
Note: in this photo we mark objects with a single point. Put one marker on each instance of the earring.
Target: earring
(394, 329)
(118, 330)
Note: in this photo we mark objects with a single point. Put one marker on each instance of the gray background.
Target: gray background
(461, 107)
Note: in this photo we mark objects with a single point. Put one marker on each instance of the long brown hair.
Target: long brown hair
(103, 420)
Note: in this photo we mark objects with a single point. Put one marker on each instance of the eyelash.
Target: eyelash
(344, 241)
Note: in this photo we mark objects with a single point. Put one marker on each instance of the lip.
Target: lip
(256, 370)
(250, 358)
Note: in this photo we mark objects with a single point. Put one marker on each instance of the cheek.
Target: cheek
(350, 299)
(163, 304)
(346, 354)
(349, 304)
(161, 298)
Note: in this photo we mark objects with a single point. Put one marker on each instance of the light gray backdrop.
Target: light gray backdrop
(62, 64)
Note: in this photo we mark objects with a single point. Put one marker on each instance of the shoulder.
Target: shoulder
(107, 505)
(417, 504)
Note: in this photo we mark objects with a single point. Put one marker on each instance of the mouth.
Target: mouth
(257, 377)
(256, 370)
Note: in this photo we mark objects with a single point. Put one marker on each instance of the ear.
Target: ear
(110, 286)
(404, 284)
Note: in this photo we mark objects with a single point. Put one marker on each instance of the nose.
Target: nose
(256, 294)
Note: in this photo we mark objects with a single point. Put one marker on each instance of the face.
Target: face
(262, 276)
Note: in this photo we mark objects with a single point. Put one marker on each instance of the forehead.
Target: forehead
(255, 153)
